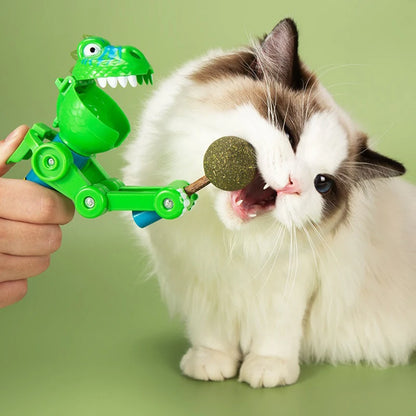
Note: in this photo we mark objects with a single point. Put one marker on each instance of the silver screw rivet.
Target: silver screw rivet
(168, 203)
(89, 202)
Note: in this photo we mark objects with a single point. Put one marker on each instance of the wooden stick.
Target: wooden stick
(197, 185)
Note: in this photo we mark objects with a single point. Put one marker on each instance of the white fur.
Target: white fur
(275, 290)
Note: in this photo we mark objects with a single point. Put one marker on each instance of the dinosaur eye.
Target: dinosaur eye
(323, 184)
(92, 49)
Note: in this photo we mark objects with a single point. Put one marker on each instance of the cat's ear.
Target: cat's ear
(373, 165)
(278, 57)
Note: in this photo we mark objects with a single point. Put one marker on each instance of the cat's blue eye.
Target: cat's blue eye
(323, 184)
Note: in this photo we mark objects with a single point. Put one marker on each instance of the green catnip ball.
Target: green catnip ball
(230, 163)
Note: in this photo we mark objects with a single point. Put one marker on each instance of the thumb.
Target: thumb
(9, 145)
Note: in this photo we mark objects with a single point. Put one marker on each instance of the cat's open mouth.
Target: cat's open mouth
(255, 199)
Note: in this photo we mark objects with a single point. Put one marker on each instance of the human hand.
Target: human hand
(30, 219)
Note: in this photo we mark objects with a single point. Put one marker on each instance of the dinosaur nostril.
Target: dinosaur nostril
(135, 54)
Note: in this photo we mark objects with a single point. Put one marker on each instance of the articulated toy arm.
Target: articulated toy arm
(85, 181)
(96, 174)
(168, 202)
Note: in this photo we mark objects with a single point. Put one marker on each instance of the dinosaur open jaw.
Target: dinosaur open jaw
(132, 80)
(255, 199)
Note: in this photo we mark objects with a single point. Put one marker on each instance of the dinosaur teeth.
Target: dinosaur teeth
(122, 81)
(102, 82)
(132, 80)
(112, 82)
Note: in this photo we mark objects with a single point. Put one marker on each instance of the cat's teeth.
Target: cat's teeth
(238, 203)
(266, 186)
(132, 80)
(102, 82)
(112, 82)
(252, 215)
(122, 81)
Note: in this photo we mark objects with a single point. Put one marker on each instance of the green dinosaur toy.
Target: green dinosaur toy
(91, 122)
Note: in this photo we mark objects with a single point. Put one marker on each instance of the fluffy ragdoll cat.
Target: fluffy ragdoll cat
(315, 260)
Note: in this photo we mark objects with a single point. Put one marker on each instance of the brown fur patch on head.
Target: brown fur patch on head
(234, 64)
(229, 81)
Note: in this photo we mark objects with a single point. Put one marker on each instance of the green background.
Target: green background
(92, 336)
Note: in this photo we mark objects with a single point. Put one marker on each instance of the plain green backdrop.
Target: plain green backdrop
(92, 336)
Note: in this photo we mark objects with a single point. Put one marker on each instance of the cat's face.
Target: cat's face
(309, 154)
(299, 180)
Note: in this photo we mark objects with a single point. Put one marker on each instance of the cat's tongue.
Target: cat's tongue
(253, 200)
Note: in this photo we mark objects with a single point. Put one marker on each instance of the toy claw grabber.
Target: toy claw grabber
(91, 122)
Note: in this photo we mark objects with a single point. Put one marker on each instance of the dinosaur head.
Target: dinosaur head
(98, 59)
(90, 121)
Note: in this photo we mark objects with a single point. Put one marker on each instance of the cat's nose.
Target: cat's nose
(292, 187)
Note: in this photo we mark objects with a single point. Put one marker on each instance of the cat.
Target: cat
(315, 260)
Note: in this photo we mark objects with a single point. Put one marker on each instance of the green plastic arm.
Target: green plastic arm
(168, 202)
(94, 192)
(32, 140)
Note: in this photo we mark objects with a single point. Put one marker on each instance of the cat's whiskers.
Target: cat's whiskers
(341, 84)
(269, 103)
(274, 254)
(318, 80)
(393, 125)
(293, 263)
(326, 69)
(305, 88)
(229, 243)
(289, 266)
(285, 118)
(344, 179)
(306, 106)
(371, 167)
(296, 264)
(315, 253)
(317, 230)
(309, 106)
(355, 163)
(242, 54)
(268, 81)
(311, 76)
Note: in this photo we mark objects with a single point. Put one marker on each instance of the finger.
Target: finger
(29, 202)
(26, 239)
(20, 267)
(11, 292)
(9, 145)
